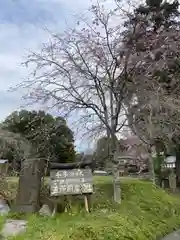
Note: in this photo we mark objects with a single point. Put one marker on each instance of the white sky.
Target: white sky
(22, 25)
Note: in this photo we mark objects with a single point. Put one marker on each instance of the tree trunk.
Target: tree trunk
(28, 195)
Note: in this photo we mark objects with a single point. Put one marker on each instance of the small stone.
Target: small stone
(173, 236)
(45, 211)
(104, 210)
(13, 228)
(4, 208)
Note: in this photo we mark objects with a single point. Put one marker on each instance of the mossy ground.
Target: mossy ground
(146, 212)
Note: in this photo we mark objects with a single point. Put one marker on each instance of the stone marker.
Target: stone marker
(13, 228)
(172, 181)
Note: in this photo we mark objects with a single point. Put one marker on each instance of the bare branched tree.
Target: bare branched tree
(98, 74)
(81, 72)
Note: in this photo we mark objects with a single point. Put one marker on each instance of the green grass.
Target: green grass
(146, 213)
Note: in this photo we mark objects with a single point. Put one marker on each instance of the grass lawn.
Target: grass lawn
(146, 213)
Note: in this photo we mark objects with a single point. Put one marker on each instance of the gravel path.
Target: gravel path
(173, 236)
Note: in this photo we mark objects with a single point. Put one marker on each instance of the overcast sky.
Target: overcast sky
(22, 25)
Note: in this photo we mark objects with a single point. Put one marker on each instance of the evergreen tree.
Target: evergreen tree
(50, 136)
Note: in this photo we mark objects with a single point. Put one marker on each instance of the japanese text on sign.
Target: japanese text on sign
(71, 182)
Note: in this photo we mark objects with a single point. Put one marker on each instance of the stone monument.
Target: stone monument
(28, 195)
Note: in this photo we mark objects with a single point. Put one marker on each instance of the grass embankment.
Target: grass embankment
(145, 213)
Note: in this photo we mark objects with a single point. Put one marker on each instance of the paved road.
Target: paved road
(173, 236)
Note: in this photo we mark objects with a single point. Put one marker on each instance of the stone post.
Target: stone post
(116, 181)
(28, 195)
(172, 181)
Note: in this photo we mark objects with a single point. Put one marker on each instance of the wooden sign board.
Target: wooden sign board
(71, 182)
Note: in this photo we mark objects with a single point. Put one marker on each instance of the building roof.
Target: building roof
(130, 141)
(2, 161)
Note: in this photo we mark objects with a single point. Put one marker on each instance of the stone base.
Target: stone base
(25, 208)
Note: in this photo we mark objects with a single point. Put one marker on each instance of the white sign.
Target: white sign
(71, 182)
